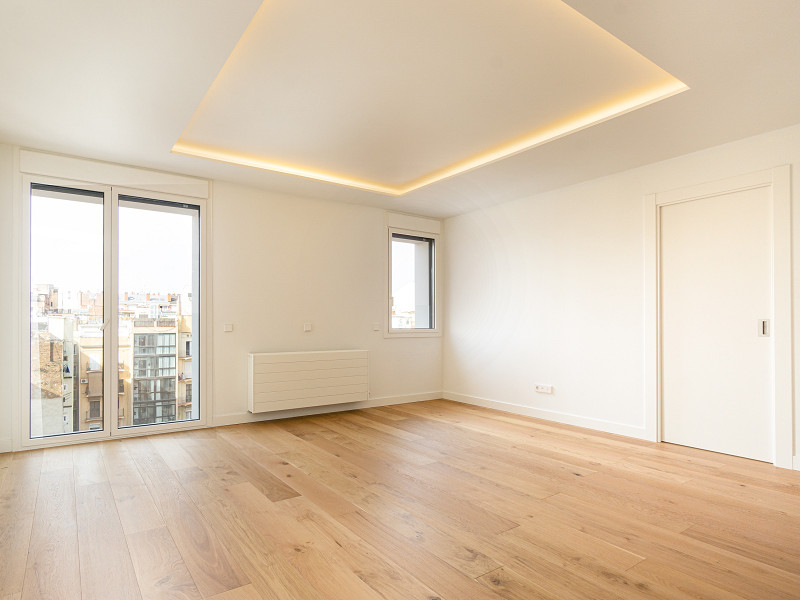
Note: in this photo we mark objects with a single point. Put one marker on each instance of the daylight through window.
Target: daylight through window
(412, 282)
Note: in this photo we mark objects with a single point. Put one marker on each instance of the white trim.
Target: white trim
(203, 363)
(6, 445)
(69, 439)
(782, 314)
(779, 181)
(110, 316)
(652, 398)
(633, 431)
(715, 188)
(17, 235)
(85, 170)
(248, 417)
(22, 397)
(206, 348)
(413, 223)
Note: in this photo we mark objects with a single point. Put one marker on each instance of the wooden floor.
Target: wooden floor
(426, 500)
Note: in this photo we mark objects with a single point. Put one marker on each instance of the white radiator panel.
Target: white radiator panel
(282, 380)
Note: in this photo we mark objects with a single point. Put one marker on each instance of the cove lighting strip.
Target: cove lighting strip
(593, 116)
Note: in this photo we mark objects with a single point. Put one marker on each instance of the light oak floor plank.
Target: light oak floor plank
(87, 464)
(53, 569)
(160, 570)
(207, 559)
(57, 458)
(135, 506)
(18, 492)
(106, 568)
(246, 592)
(428, 500)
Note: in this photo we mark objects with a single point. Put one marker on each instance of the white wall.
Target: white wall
(278, 262)
(281, 261)
(545, 289)
(8, 324)
(550, 289)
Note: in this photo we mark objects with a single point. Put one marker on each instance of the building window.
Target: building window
(166, 343)
(412, 281)
(145, 367)
(94, 410)
(166, 366)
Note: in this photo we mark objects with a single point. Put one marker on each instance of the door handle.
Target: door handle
(763, 328)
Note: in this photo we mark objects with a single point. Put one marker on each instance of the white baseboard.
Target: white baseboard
(796, 463)
(552, 415)
(5, 445)
(248, 417)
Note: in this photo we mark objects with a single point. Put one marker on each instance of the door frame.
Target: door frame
(199, 336)
(34, 166)
(23, 347)
(778, 181)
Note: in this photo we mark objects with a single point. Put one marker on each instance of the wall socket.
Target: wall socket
(543, 389)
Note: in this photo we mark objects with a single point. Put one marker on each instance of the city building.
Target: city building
(154, 364)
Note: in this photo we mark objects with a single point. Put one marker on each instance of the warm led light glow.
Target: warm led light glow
(552, 132)
(257, 162)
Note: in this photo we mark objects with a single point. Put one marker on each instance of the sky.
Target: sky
(155, 247)
(403, 275)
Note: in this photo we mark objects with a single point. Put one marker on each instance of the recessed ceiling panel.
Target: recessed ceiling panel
(392, 96)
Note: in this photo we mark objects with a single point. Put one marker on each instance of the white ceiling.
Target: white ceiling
(120, 82)
(391, 97)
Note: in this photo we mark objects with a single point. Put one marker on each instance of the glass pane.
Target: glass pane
(412, 277)
(66, 262)
(158, 280)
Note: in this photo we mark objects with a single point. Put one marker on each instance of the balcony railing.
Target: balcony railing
(155, 322)
(139, 401)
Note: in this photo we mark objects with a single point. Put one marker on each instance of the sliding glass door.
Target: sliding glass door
(159, 269)
(88, 243)
(67, 286)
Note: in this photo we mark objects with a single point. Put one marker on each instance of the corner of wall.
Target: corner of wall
(632, 431)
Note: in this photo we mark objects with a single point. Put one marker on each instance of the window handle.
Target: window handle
(104, 325)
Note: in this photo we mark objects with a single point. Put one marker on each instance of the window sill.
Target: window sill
(412, 333)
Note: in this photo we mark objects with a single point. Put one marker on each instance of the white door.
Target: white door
(716, 282)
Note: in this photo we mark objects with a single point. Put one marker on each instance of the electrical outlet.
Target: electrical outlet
(543, 389)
